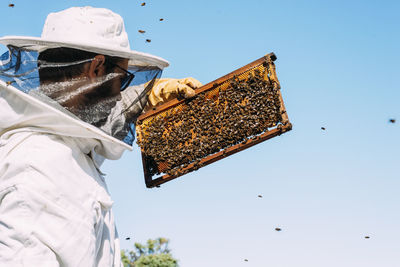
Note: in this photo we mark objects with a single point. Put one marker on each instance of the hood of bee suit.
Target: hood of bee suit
(21, 112)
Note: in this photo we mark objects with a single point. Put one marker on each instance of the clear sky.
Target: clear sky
(338, 64)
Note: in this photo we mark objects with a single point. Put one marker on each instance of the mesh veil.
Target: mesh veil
(62, 84)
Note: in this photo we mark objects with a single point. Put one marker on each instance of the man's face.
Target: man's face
(102, 91)
(97, 82)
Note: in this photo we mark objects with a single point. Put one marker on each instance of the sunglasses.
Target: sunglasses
(128, 77)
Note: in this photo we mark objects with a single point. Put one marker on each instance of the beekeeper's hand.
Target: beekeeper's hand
(166, 89)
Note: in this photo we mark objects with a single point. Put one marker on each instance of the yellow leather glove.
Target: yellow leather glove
(166, 89)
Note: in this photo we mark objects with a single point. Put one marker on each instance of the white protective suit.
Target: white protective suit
(54, 206)
(59, 215)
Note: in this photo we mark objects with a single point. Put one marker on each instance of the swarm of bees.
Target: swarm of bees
(210, 122)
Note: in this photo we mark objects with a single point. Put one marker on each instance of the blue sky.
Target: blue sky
(337, 64)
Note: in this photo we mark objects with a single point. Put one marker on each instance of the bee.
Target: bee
(9, 82)
(127, 238)
(260, 196)
(323, 128)
(143, 4)
(161, 19)
(366, 237)
(148, 40)
(141, 31)
(11, 5)
(278, 229)
(392, 120)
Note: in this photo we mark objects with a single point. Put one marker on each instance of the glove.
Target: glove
(167, 89)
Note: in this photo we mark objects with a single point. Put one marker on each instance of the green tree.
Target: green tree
(155, 253)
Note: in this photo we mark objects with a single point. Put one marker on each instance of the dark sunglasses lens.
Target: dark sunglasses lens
(126, 81)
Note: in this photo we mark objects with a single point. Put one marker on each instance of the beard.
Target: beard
(91, 101)
(95, 112)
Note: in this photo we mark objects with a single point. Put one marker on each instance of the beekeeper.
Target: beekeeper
(68, 100)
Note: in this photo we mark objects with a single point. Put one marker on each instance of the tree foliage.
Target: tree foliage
(155, 253)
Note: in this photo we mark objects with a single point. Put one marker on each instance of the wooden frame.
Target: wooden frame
(281, 128)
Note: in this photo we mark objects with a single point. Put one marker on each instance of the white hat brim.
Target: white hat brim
(39, 44)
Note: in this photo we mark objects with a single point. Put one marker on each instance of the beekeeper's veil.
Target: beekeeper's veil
(54, 67)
